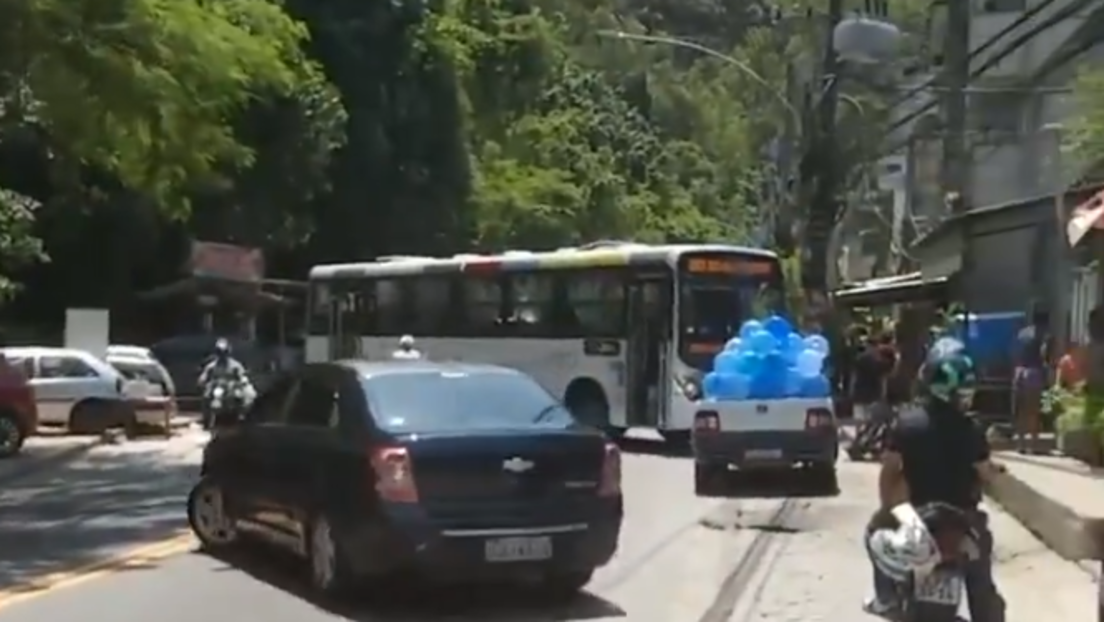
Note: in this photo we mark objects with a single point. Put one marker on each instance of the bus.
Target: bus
(621, 332)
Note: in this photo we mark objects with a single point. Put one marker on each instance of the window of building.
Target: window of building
(996, 114)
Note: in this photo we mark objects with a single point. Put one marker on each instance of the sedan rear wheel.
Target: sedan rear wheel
(207, 515)
(328, 571)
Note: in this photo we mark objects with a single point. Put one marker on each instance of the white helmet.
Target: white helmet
(909, 549)
(406, 342)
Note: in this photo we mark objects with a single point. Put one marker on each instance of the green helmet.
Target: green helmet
(948, 375)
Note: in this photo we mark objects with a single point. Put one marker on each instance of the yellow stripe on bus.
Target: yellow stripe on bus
(584, 260)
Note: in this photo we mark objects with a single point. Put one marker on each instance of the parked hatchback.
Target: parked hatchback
(150, 392)
(455, 473)
(72, 388)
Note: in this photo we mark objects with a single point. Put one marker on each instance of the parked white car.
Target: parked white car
(136, 352)
(74, 389)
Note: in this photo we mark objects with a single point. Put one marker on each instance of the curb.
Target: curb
(1067, 533)
(56, 459)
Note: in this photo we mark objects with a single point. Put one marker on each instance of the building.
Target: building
(1026, 54)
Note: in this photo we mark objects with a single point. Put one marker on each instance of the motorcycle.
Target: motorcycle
(226, 401)
(935, 596)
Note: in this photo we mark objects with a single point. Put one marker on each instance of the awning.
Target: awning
(1086, 217)
(892, 290)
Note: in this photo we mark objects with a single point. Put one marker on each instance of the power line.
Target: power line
(1069, 11)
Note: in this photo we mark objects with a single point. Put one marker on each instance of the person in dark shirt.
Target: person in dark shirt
(867, 381)
(937, 454)
(1029, 381)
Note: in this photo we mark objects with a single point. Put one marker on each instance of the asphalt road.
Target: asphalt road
(768, 557)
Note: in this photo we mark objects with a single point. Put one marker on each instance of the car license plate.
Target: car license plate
(941, 588)
(518, 549)
(763, 454)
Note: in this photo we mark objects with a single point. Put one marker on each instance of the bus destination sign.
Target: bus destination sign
(731, 266)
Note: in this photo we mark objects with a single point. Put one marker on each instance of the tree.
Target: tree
(1087, 135)
(135, 99)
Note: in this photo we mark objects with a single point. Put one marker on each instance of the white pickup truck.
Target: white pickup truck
(769, 434)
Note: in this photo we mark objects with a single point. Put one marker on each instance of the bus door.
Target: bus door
(344, 337)
(646, 360)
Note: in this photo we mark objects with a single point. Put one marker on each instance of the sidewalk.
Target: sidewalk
(1058, 499)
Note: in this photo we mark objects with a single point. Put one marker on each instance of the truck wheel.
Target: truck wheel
(823, 478)
(709, 478)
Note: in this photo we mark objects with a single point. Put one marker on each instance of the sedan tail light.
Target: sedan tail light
(706, 422)
(610, 484)
(816, 418)
(394, 474)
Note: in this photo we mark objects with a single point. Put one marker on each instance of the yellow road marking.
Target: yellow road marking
(138, 557)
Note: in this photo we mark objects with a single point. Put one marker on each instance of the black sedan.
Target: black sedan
(444, 472)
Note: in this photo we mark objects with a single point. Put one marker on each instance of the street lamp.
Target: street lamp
(866, 41)
(708, 51)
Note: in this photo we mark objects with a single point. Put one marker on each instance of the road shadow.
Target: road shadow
(412, 600)
(89, 511)
(651, 447)
(774, 484)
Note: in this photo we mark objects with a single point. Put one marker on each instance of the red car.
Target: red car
(18, 411)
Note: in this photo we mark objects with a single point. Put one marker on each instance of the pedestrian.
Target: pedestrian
(1029, 380)
(891, 359)
(406, 350)
(867, 381)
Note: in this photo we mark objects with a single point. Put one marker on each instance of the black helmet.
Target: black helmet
(948, 375)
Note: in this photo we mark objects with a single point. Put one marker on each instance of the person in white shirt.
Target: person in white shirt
(406, 351)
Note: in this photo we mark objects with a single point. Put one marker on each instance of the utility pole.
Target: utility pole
(820, 172)
(955, 80)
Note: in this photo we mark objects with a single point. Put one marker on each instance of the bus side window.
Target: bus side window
(318, 310)
(391, 315)
(532, 304)
(597, 299)
(359, 306)
(483, 302)
(433, 310)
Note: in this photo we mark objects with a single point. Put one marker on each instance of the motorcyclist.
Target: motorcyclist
(936, 456)
(406, 351)
(222, 366)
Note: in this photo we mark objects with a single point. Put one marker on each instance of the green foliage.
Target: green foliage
(340, 129)
(574, 138)
(143, 88)
(1087, 131)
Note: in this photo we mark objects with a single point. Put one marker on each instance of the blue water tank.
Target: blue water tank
(990, 338)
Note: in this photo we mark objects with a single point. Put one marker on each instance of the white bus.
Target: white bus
(622, 332)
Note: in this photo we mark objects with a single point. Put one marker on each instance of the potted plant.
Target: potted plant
(1078, 432)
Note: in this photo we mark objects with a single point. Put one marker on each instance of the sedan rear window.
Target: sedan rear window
(431, 401)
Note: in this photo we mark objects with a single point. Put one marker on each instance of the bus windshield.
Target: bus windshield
(717, 293)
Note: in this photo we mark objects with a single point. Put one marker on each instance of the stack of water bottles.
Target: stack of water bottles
(769, 360)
